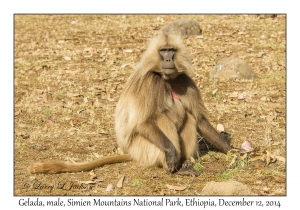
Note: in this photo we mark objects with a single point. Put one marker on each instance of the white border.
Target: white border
(8, 8)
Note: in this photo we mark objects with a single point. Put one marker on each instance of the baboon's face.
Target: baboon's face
(167, 54)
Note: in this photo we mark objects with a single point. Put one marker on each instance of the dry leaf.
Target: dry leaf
(109, 98)
(177, 188)
(242, 96)
(18, 112)
(260, 157)
(266, 189)
(192, 159)
(97, 155)
(233, 95)
(120, 151)
(110, 187)
(263, 36)
(24, 135)
(93, 175)
(282, 159)
(88, 52)
(151, 175)
(220, 128)
(67, 58)
(233, 160)
(74, 22)
(91, 181)
(276, 143)
(71, 160)
(233, 151)
(244, 156)
(215, 91)
(234, 103)
(126, 64)
(261, 54)
(80, 111)
(73, 71)
(264, 98)
(269, 158)
(248, 99)
(200, 37)
(270, 117)
(275, 113)
(128, 50)
(120, 182)
(247, 146)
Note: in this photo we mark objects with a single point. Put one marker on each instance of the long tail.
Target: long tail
(62, 166)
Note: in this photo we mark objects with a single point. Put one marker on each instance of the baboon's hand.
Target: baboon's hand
(187, 169)
(171, 159)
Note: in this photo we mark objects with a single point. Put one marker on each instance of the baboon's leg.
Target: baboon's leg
(189, 147)
(213, 136)
(188, 138)
(146, 153)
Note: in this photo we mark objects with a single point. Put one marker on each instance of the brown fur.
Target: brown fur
(153, 128)
(56, 166)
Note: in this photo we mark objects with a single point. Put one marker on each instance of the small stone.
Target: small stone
(231, 68)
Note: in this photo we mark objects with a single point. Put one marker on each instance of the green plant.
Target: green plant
(227, 175)
(137, 183)
(197, 165)
(46, 111)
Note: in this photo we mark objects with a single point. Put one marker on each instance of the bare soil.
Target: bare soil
(69, 71)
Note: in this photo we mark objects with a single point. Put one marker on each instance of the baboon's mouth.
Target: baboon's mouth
(169, 71)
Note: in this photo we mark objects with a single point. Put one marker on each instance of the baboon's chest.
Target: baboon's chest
(176, 112)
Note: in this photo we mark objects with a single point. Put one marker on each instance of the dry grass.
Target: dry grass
(70, 69)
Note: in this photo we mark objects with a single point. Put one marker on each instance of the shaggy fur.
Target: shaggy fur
(158, 115)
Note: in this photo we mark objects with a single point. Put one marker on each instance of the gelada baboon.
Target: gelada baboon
(159, 114)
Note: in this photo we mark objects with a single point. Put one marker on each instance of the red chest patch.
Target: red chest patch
(174, 95)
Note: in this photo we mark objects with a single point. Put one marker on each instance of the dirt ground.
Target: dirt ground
(69, 71)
